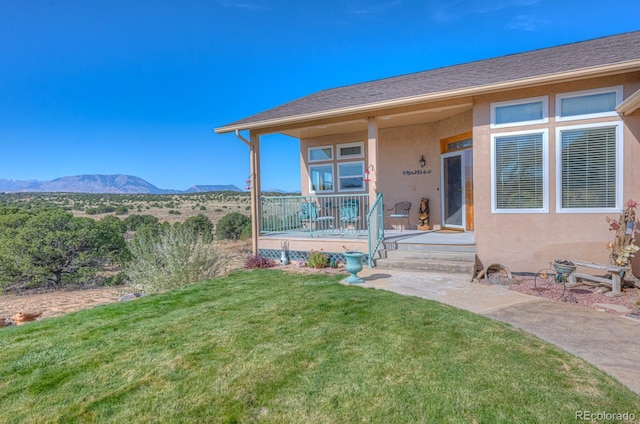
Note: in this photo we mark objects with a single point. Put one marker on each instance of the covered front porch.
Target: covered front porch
(286, 221)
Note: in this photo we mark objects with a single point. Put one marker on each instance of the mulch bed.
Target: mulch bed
(581, 294)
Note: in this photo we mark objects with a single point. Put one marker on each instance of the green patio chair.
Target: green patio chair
(310, 216)
(349, 214)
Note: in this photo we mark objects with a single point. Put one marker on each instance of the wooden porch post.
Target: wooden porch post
(372, 157)
(255, 189)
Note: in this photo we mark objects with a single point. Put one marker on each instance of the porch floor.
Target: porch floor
(397, 236)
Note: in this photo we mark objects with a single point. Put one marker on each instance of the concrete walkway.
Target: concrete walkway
(609, 342)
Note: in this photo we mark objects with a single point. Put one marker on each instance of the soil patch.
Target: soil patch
(59, 302)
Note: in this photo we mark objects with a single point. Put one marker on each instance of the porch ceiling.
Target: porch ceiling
(386, 119)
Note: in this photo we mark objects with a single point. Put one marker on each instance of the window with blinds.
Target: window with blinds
(520, 169)
(589, 168)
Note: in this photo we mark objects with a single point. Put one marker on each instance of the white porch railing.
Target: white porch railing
(321, 215)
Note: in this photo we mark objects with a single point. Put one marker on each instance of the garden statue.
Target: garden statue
(623, 247)
(423, 214)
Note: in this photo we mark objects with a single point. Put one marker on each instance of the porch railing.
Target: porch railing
(341, 214)
(375, 223)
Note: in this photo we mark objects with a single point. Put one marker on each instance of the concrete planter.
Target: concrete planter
(354, 266)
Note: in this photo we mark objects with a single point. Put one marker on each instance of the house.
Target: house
(527, 153)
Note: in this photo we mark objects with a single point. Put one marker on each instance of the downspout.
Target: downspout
(253, 159)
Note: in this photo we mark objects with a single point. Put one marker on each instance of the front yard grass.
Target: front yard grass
(275, 347)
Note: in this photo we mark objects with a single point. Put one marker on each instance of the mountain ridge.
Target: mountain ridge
(101, 184)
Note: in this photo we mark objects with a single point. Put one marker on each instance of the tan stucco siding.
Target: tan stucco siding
(399, 150)
(528, 242)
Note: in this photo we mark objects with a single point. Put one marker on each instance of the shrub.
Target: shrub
(134, 221)
(317, 260)
(172, 257)
(231, 226)
(259, 261)
(174, 212)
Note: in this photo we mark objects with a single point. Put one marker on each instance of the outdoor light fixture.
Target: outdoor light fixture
(422, 161)
(367, 174)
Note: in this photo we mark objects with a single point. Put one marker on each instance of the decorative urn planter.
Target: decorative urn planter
(354, 266)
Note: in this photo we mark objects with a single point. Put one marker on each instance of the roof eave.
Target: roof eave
(630, 104)
(590, 72)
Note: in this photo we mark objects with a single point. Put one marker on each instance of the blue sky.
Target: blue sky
(136, 87)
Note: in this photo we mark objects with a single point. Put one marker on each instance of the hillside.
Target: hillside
(98, 184)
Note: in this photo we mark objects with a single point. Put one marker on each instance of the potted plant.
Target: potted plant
(564, 267)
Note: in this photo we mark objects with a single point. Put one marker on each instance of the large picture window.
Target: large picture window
(519, 163)
(589, 161)
(350, 176)
(321, 178)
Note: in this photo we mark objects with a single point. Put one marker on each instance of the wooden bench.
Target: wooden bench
(615, 281)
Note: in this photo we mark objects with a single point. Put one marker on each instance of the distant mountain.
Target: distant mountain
(205, 188)
(109, 184)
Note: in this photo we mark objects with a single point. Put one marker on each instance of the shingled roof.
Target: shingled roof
(622, 50)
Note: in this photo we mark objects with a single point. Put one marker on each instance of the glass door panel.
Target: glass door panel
(453, 193)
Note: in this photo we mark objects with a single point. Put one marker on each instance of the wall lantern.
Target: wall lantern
(422, 161)
(367, 174)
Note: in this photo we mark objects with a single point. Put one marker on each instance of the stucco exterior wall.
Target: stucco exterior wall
(524, 242)
(528, 242)
(398, 175)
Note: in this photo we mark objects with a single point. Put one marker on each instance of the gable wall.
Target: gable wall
(528, 242)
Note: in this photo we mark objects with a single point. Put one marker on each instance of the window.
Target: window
(519, 172)
(520, 112)
(322, 153)
(589, 161)
(321, 177)
(351, 150)
(588, 104)
(350, 176)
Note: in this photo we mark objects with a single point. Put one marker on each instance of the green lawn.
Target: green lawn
(273, 347)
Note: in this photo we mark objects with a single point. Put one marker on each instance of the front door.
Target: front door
(453, 190)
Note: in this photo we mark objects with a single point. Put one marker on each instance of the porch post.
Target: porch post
(372, 157)
(255, 189)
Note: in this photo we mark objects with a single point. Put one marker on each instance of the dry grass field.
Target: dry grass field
(166, 207)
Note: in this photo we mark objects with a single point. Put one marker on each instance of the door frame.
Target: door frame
(463, 211)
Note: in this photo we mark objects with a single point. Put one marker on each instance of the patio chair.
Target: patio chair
(349, 214)
(309, 216)
(401, 211)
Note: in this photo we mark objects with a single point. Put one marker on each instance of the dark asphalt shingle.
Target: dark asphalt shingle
(570, 57)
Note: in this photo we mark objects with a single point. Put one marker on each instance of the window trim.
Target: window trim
(310, 149)
(333, 174)
(364, 187)
(545, 173)
(619, 165)
(354, 144)
(540, 99)
(568, 95)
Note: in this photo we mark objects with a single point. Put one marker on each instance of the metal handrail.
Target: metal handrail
(315, 214)
(375, 224)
